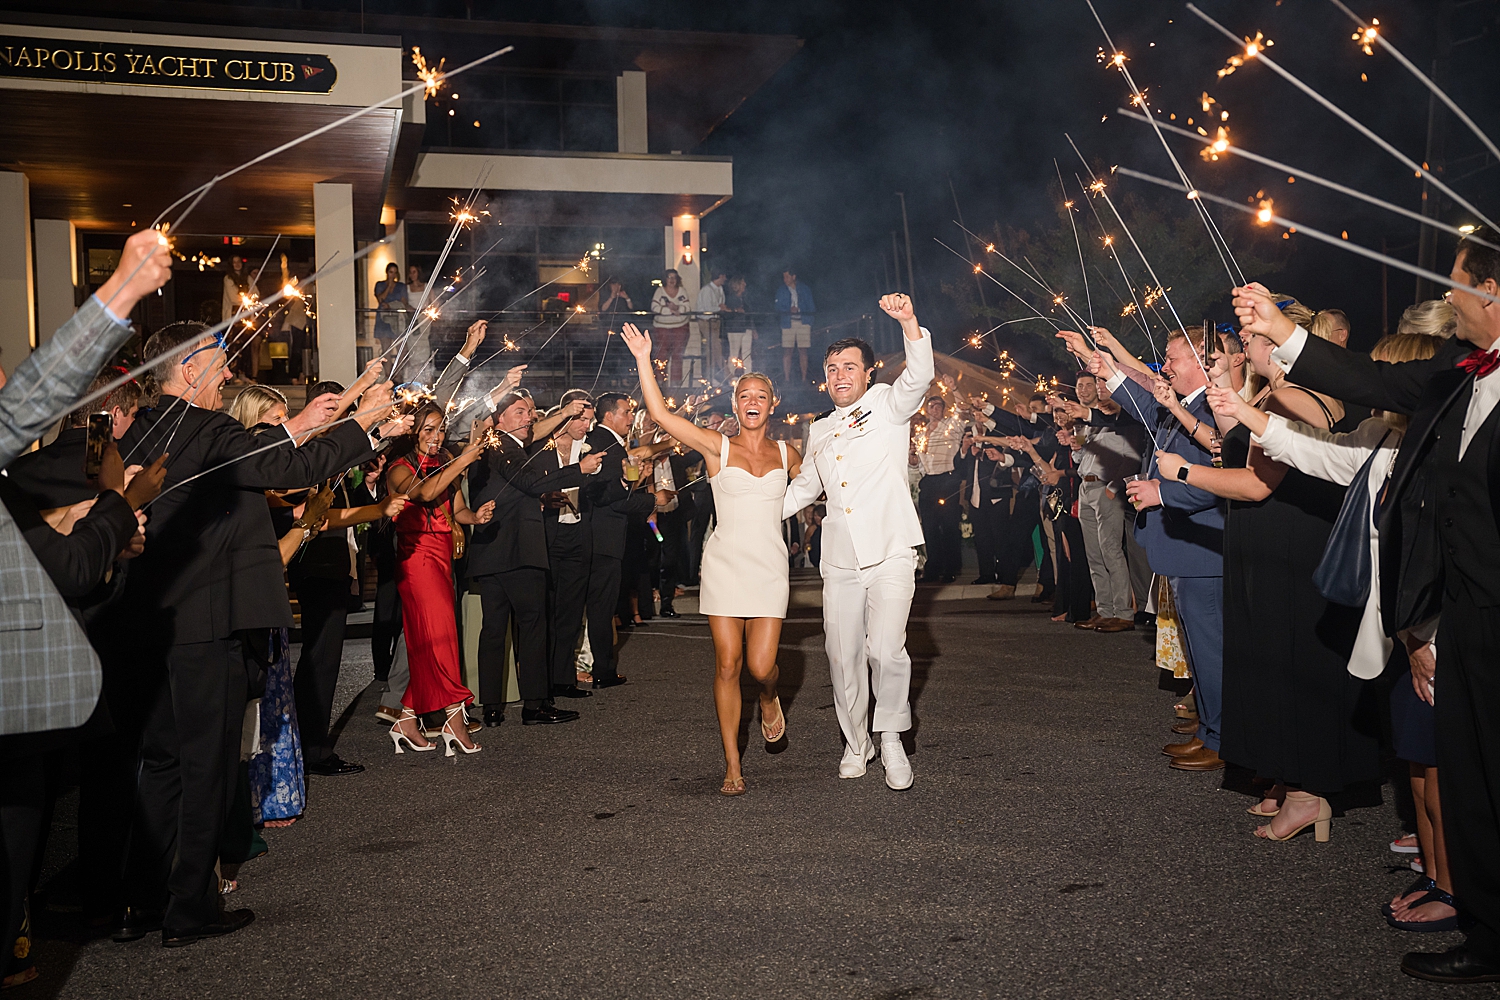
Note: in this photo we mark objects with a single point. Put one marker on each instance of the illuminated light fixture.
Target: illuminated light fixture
(1467, 229)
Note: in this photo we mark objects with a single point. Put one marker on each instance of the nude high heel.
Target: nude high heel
(450, 738)
(398, 736)
(1322, 825)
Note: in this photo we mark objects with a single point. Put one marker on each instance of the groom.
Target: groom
(857, 455)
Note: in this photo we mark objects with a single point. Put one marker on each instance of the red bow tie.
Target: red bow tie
(1480, 363)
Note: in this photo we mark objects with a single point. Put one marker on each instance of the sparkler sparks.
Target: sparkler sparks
(1253, 48)
(432, 76)
(203, 260)
(1266, 212)
(1367, 37)
(1219, 145)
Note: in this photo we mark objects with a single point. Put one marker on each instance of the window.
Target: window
(528, 110)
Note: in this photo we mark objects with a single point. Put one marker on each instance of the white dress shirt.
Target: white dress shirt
(941, 446)
(857, 455)
(711, 298)
(567, 456)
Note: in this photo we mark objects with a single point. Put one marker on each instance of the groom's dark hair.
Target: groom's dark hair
(865, 350)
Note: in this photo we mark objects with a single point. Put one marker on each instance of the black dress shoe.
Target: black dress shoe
(494, 716)
(669, 613)
(1042, 597)
(135, 924)
(1145, 620)
(228, 922)
(625, 626)
(608, 682)
(547, 715)
(570, 691)
(1456, 965)
(983, 580)
(330, 766)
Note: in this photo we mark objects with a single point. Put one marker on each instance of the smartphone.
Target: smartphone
(101, 433)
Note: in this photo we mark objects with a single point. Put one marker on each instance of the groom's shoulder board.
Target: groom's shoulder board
(825, 413)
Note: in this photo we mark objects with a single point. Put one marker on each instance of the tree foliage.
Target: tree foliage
(1133, 306)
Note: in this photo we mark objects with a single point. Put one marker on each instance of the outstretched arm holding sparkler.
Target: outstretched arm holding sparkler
(435, 484)
(700, 439)
(59, 372)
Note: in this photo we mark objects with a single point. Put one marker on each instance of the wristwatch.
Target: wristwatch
(1182, 473)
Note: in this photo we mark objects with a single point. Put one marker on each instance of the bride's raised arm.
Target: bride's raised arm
(700, 439)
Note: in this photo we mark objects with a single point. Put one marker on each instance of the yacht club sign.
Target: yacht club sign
(165, 66)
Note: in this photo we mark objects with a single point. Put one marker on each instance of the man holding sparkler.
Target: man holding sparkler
(857, 456)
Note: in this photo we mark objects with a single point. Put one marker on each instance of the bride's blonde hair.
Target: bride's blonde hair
(734, 391)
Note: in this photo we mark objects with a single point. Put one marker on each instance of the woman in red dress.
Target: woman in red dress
(425, 535)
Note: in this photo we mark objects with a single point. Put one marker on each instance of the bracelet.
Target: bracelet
(1196, 427)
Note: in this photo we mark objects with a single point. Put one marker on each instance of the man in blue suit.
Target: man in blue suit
(1181, 527)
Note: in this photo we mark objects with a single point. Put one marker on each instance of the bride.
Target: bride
(744, 569)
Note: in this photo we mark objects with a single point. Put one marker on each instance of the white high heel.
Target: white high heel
(450, 738)
(398, 737)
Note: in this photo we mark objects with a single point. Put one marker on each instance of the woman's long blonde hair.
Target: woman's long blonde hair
(253, 402)
(1399, 347)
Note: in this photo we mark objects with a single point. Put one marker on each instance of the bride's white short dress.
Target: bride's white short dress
(744, 569)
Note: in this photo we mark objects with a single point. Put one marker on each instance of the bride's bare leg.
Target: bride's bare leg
(729, 635)
(762, 637)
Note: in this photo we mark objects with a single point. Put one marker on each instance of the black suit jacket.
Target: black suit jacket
(514, 477)
(608, 503)
(1411, 563)
(211, 565)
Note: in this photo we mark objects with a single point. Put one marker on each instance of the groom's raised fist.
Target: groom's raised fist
(897, 306)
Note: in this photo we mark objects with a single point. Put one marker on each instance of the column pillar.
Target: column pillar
(630, 112)
(333, 215)
(56, 274)
(17, 290)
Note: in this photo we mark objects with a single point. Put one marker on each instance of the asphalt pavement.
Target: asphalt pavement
(1045, 850)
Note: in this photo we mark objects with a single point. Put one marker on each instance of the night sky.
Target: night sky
(941, 98)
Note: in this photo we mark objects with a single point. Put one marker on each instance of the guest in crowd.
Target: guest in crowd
(508, 561)
(568, 539)
(938, 492)
(671, 310)
(1107, 451)
(390, 304)
(987, 489)
(794, 304)
(608, 502)
(738, 329)
(198, 606)
(1292, 712)
(428, 529)
(1180, 525)
(615, 305)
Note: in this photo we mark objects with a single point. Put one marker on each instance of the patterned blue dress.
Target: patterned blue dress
(276, 784)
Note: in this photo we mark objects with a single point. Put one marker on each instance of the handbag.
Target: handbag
(1343, 576)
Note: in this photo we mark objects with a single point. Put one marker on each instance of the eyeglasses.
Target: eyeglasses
(220, 343)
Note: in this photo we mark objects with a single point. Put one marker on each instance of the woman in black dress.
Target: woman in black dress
(1292, 712)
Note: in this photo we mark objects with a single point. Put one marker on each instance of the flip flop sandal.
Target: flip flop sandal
(1421, 885)
(1427, 926)
(734, 786)
(766, 731)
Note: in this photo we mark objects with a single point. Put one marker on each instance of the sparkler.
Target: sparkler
(198, 193)
(1099, 185)
(1221, 246)
(1301, 174)
(1350, 120)
(1375, 255)
(1068, 206)
(1369, 33)
(1109, 242)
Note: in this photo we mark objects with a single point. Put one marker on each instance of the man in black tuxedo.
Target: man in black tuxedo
(196, 615)
(1439, 553)
(674, 516)
(987, 489)
(608, 501)
(508, 559)
(568, 548)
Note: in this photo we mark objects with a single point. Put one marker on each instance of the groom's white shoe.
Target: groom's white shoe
(853, 764)
(893, 755)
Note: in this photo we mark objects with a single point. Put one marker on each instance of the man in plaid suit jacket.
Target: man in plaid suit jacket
(49, 675)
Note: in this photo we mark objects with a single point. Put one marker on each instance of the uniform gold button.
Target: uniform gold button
(843, 484)
(838, 458)
(836, 434)
(848, 510)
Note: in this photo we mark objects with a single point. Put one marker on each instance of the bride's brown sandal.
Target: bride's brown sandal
(780, 732)
(733, 786)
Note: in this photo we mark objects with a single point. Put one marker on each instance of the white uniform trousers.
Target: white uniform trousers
(864, 621)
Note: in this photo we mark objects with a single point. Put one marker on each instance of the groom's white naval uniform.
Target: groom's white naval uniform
(858, 455)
